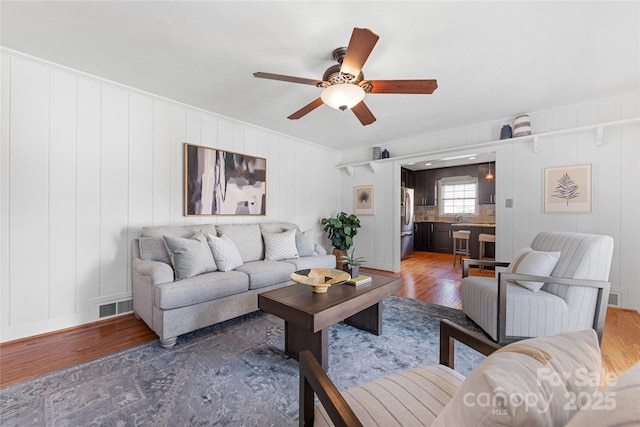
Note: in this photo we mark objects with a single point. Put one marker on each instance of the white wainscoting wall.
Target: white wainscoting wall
(85, 163)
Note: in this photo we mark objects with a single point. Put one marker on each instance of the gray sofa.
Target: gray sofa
(187, 277)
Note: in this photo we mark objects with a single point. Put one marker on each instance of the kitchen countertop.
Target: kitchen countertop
(465, 224)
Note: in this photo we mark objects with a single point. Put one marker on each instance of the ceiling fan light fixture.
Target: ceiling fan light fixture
(343, 96)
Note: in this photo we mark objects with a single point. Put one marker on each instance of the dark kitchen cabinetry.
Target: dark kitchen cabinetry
(422, 236)
(426, 192)
(486, 187)
(441, 240)
(407, 178)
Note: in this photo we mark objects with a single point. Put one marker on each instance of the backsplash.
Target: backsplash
(431, 213)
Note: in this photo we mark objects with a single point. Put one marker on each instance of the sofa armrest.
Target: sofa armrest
(158, 272)
(319, 249)
(449, 332)
(468, 263)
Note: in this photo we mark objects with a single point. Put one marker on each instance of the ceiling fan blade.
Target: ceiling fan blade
(360, 46)
(284, 78)
(306, 109)
(363, 113)
(403, 86)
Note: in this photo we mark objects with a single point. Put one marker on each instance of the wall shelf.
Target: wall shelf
(535, 144)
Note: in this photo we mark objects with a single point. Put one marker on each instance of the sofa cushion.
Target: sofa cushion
(224, 252)
(190, 257)
(247, 238)
(154, 249)
(266, 273)
(277, 227)
(615, 405)
(536, 263)
(305, 242)
(528, 383)
(317, 261)
(278, 246)
(203, 287)
(410, 398)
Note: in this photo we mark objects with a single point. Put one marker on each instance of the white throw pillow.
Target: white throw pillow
(190, 257)
(536, 263)
(305, 242)
(533, 382)
(278, 246)
(224, 252)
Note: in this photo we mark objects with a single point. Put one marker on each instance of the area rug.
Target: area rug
(230, 374)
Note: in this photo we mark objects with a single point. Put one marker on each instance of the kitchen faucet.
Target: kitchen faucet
(458, 218)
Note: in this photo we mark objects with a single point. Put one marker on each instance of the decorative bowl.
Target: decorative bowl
(320, 279)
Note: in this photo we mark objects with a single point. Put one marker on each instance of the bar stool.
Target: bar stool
(460, 239)
(484, 239)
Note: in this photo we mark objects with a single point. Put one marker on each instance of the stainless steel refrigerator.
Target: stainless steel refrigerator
(406, 223)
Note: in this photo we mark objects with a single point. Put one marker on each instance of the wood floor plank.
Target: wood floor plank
(426, 277)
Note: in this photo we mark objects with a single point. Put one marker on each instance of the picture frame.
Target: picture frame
(567, 189)
(363, 196)
(219, 182)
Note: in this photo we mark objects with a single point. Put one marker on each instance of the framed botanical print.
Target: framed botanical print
(567, 189)
(364, 200)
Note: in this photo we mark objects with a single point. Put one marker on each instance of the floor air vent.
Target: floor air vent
(114, 308)
(614, 298)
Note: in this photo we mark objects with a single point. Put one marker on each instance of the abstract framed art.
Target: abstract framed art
(218, 182)
(364, 200)
(567, 189)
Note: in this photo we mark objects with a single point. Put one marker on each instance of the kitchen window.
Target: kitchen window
(459, 195)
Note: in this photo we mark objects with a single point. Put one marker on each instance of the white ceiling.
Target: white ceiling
(492, 60)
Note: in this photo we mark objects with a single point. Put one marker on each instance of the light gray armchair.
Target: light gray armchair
(573, 297)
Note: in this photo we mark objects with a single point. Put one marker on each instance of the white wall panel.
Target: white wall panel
(88, 234)
(140, 173)
(161, 162)
(29, 193)
(114, 190)
(5, 97)
(176, 157)
(62, 194)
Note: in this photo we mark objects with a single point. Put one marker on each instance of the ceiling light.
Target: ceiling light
(472, 158)
(427, 164)
(342, 96)
(458, 157)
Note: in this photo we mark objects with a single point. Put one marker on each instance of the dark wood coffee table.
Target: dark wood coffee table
(308, 315)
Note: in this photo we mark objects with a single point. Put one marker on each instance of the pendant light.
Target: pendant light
(489, 176)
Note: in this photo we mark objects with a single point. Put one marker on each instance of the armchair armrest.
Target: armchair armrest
(601, 305)
(449, 332)
(468, 263)
(314, 380)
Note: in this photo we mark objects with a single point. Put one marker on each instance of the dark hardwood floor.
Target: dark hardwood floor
(426, 277)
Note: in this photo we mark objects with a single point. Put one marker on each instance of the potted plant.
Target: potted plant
(351, 263)
(341, 231)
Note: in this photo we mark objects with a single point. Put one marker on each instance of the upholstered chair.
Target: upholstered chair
(558, 284)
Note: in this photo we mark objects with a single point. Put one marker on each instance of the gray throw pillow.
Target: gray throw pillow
(224, 252)
(305, 242)
(190, 257)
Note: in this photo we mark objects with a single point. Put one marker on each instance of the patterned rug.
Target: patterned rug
(230, 374)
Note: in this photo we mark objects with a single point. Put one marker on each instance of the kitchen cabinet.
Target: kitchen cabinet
(441, 240)
(422, 236)
(486, 187)
(425, 188)
(407, 178)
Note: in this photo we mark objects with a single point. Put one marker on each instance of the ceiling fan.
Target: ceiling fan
(344, 84)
